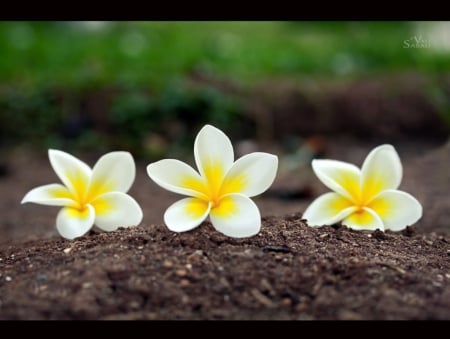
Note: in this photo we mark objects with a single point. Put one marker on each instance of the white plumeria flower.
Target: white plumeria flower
(90, 196)
(365, 199)
(222, 190)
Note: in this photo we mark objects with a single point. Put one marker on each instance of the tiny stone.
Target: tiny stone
(184, 283)
(323, 235)
(226, 297)
(134, 304)
(87, 285)
(188, 266)
(447, 275)
(67, 250)
(437, 284)
(140, 247)
(167, 264)
(195, 256)
(286, 302)
(8, 278)
(41, 277)
(181, 273)
(440, 277)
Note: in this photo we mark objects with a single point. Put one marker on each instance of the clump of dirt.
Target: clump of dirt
(287, 271)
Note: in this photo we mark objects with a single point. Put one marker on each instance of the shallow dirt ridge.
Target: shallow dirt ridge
(288, 271)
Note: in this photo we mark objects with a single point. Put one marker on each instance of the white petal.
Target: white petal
(72, 223)
(380, 171)
(328, 209)
(214, 156)
(339, 176)
(52, 195)
(251, 174)
(364, 219)
(114, 171)
(236, 216)
(397, 209)
(74, 173)
(116, 209)
(186, 214)
(178, 177)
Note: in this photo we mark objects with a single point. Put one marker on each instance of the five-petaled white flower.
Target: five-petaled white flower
(222, 190)
(90, 196)
(365, 199)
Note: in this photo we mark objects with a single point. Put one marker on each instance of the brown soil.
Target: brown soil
(288, 271)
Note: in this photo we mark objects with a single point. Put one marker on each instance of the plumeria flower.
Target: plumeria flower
(90, 196)
(222, 190)
(365, 199)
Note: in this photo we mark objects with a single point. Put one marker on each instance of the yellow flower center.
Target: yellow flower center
(83, 194)
(214, 186)
(217, 185)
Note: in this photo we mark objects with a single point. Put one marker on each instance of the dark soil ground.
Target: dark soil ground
(287, 271)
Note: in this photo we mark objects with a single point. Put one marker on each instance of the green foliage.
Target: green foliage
(28, 115)
(166, 122)
(48, 68)
(86, 54)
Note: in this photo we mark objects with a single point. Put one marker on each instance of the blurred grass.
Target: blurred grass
(84, 54)
(87, 81)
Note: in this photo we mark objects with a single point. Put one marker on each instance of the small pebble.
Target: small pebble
(181, 273)
(8, 278)
(195, 256)
(67, 250)
(167, 264)
(184, 283)
(134, 304)
(286, 302)
(140, 247)
(41, 277)
(87, 285)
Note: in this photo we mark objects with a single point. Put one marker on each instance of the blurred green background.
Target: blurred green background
(135, 85)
